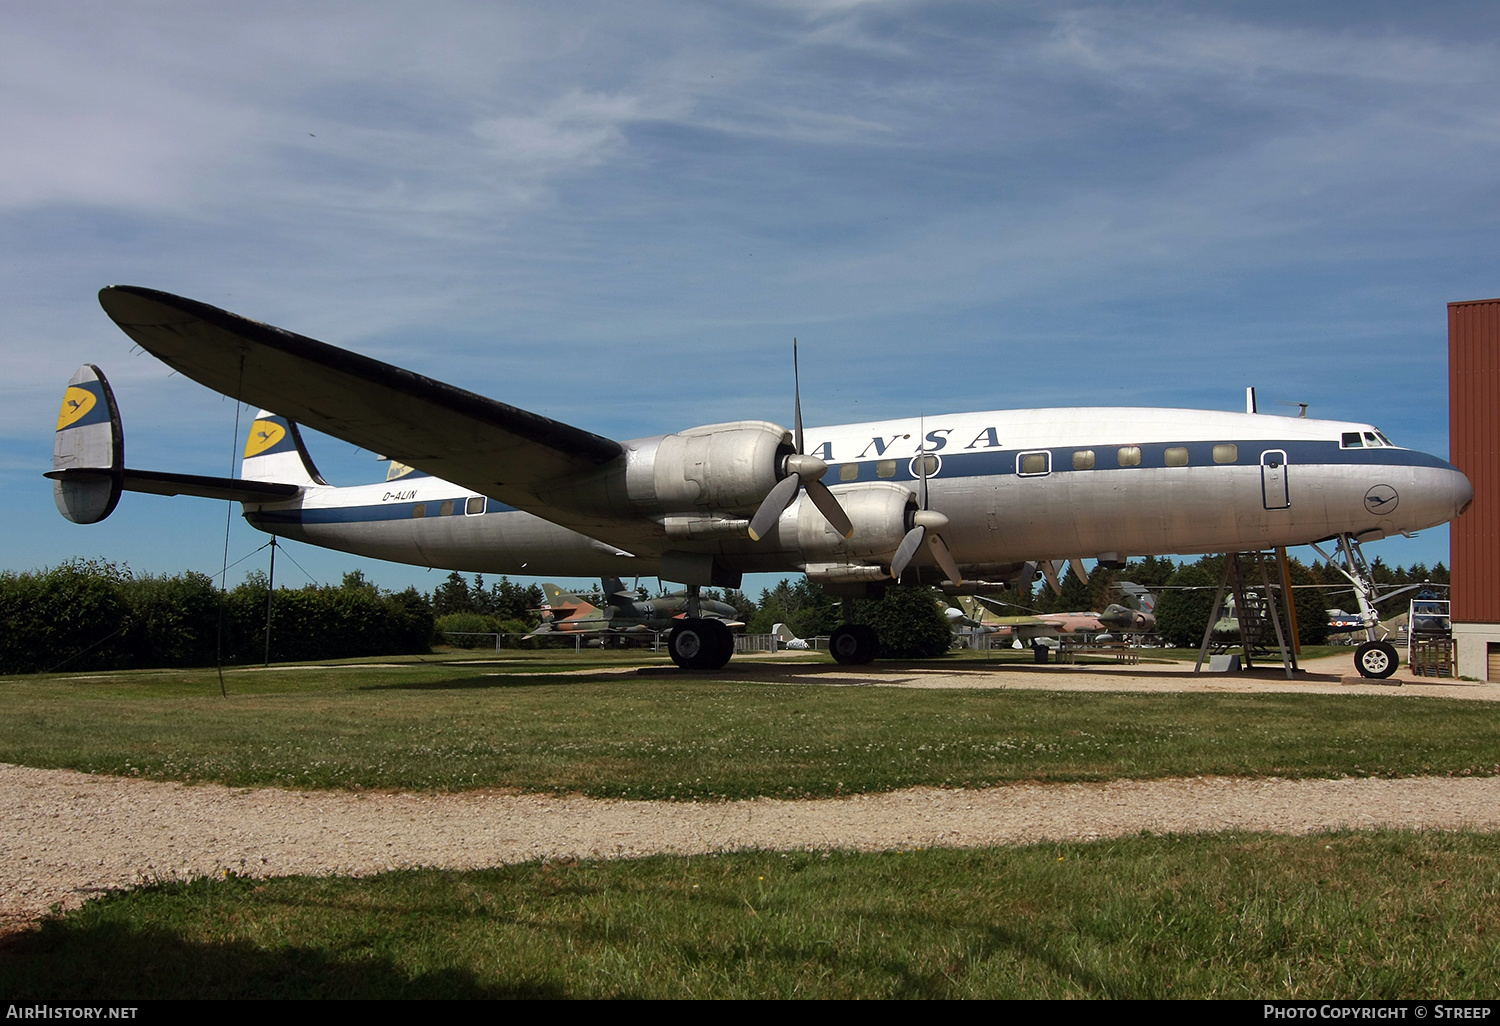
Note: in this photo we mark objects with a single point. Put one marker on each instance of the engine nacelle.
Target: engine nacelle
(879, 510)
(716, 468)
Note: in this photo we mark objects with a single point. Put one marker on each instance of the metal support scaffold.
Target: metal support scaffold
(1256, 606)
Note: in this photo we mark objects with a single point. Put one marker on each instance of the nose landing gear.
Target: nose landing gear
(1375, 659)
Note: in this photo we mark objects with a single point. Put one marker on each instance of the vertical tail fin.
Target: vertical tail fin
(88, 450)
(274, 452)
(615, 592)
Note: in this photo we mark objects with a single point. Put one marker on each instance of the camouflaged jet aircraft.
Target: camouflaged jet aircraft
(623, 613)
(496, 489)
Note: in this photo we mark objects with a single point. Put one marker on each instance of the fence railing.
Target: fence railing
(655, 640)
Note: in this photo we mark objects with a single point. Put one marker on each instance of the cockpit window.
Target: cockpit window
(1352, 441)
(1386, 440)
(1371, 440)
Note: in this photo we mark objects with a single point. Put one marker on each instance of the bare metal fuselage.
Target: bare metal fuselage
(1015, 486)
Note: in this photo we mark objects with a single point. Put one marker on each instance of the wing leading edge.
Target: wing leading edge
(454, 434)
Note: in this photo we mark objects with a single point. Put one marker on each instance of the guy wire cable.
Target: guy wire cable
(228, 516)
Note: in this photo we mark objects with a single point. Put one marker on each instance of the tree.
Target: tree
(908, 621)
(1311, 606)
(1181, 614)
(1075, 596)
(804, 607)
(452, 596)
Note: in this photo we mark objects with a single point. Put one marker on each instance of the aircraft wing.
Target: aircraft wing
(1019, 621)
(451, 433)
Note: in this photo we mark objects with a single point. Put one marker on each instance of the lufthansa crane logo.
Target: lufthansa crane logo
(77, 402)
(264, 434)
(1381, 500)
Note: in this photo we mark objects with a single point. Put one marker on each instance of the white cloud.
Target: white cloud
(578, 129)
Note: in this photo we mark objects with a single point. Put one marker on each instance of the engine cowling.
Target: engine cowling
(880, 511)
(716, 468)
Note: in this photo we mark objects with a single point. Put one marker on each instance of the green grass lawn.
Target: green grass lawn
(1378, 914)
(1366, 915)
(451, 725)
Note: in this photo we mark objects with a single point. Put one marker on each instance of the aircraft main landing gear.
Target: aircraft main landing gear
(854, 644)
(700, 643)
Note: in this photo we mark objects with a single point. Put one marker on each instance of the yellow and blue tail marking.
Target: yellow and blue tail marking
(274, 452)
(88, 449)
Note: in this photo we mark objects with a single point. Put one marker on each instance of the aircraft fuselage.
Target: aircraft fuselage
(1015, 485)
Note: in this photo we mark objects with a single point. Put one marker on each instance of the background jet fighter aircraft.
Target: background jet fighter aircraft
(854, 506)
(623, 611)
(1024, 629)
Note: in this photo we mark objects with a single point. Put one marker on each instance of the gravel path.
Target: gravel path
(65, 836)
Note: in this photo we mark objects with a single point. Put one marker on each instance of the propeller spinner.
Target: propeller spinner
(926, 523)
(801, 472)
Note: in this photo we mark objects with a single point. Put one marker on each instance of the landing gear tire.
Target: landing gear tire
(723, 643)
(698, 643)
(1376, 660)
(854, 644)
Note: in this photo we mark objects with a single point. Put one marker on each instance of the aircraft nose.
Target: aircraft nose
(1463, 490)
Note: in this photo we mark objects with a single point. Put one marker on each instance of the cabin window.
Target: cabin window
(474, 505)
(1228, 452)
(924, 465)
(1130, 455)
(1351, 440)
(1034, 464)
(1176, 456)
(849, 472)
(1083, 459)
(419, 510)
(885, 468)
(446, 510)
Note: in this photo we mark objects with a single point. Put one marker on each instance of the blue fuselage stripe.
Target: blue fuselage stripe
(369, 513)
(1002, 462)
(991, 463)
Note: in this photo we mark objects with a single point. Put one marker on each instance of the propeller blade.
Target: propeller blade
(907, 549)
(822, 498)
(1049, 571)
(944, 558)
(922, 463)
(797, 401)
(773, 505)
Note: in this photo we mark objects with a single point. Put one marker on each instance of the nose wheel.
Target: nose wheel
(1376, 660)
(700, 643)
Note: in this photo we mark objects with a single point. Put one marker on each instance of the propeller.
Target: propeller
(926, 524)
(801, 472)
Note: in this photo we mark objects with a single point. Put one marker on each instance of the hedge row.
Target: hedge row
(92, 615)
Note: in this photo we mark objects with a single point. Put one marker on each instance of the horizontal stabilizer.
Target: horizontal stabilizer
(158, 482)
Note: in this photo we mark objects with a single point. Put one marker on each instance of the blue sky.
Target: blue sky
(619, 215)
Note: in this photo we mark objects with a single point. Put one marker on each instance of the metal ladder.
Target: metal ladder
(1262, 615)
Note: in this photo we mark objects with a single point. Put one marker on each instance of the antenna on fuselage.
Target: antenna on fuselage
(1250, 400)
